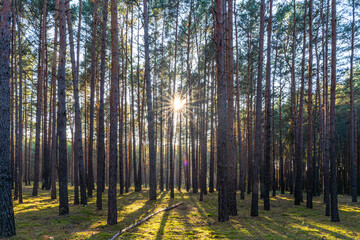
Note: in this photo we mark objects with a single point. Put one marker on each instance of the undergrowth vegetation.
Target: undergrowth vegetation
(37, 218)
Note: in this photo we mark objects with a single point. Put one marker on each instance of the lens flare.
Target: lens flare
(179, 104)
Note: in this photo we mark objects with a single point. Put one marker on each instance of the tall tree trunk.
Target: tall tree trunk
(171, 118)
(321, 140)
(192, 130)
(326, 118)
(53, 163)
(354, 186)
(274, 182)
(45, 147)
(20, 118)
(258, 120)
(78, 150)
(39, 102)
(240, 158)
(267, 132)
(310, 171)
(161, 183)
(281, 153)
(203, 146)
(7, 214)
(140, 114)
(299, 148)
(249, 91)
(13, 66)
(150, 115)
(333, 179)
(63, 178)
(132, 111)
(223, 209)
(294, 124)
(212, 131)
(112, 210)
(231, 174)
(121, 114)
(90, 171)
(100, 177)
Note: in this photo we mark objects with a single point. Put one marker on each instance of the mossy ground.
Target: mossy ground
(37, 218)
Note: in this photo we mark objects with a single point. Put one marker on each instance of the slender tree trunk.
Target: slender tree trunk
(310, 171)
(12, 91)
(112, 210)
(192, 130)
(39, 102)
(54, 133)
(121, 115)
(78, 150)
(333, 179)
(298, 195)
(20, 118)
(267, 133)
(150, 115)
(171, 122)
(212, 131)
(161, 184)
(326, 119)
(100, 177)
(231, 174)
(274, 182)
(281, 153)
(299, 148)
(223, 209)
(90, 171)
(249, 119)
(63, 179)
(140, 114)
(240, 158)
(354, 186)
(321, 140)
(258, 120)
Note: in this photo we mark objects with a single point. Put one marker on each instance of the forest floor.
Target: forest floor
(37, 218)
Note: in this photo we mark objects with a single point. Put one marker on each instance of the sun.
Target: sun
(178, 104)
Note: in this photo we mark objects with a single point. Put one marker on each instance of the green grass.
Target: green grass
(37, 218)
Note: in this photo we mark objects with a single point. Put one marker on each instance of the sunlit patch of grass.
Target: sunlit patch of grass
(351, 209)
(37, 218)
